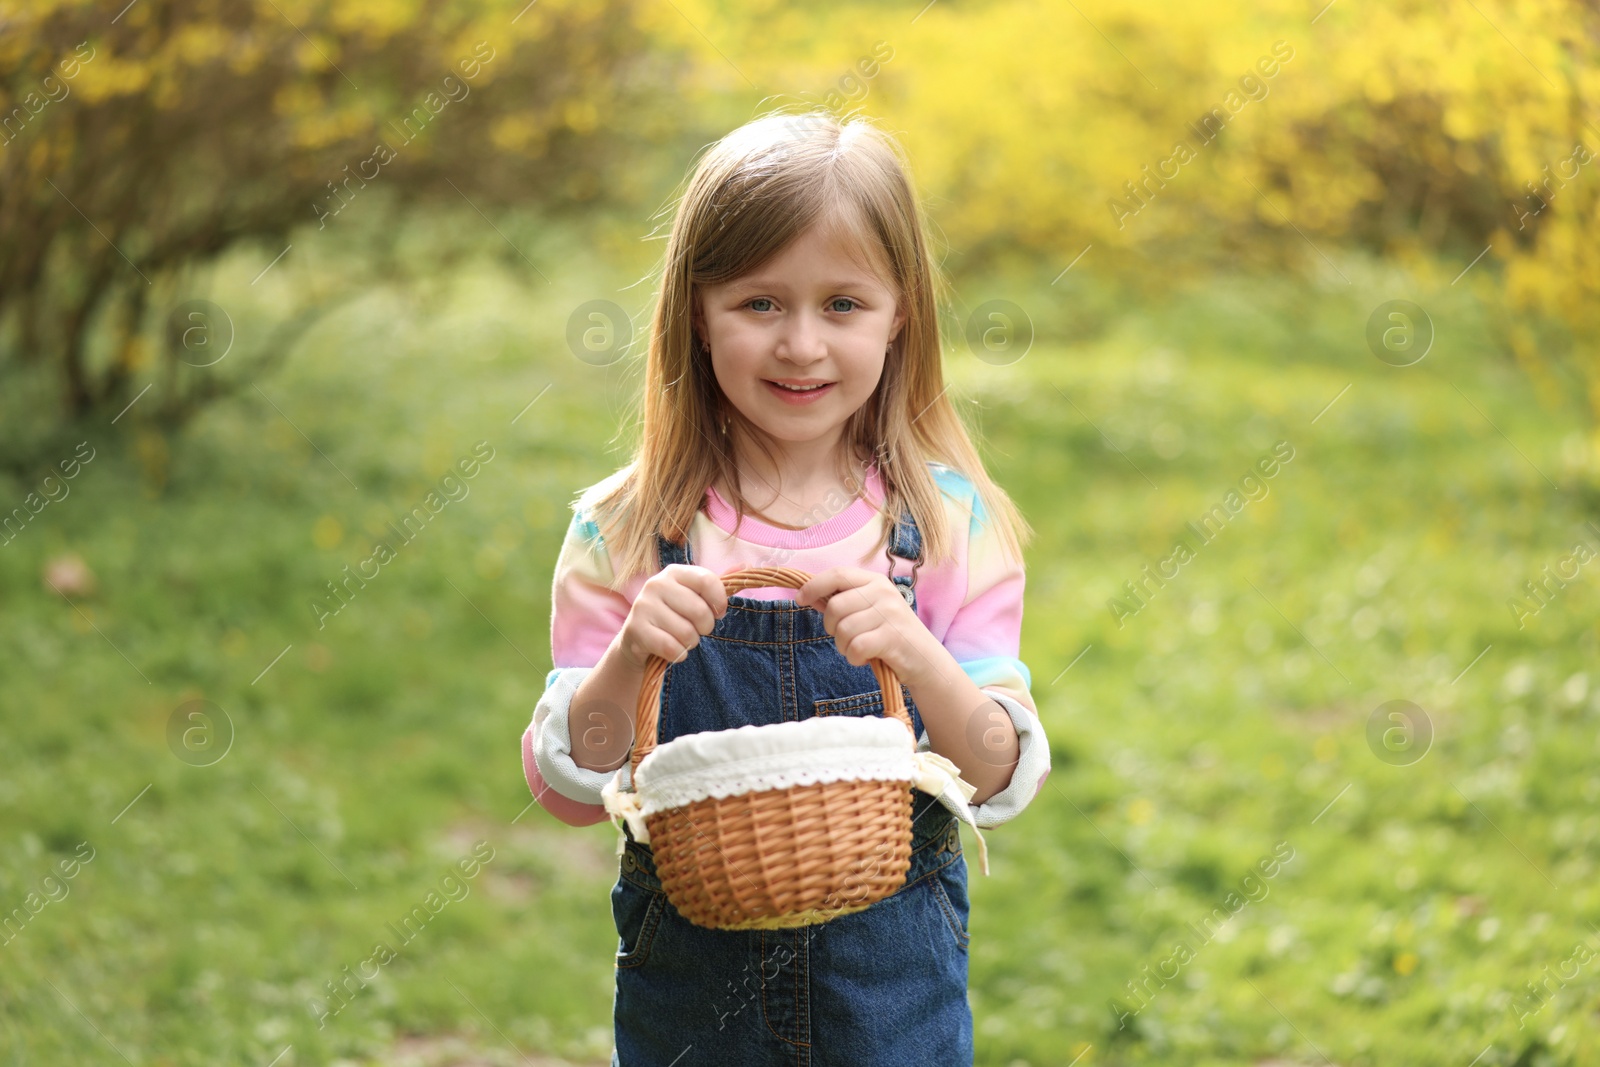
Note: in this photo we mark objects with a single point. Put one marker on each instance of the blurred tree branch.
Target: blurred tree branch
(136, 148)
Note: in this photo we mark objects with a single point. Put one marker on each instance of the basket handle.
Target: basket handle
(647, 715)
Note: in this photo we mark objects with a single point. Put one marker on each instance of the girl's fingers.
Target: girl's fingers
(848, 603)
(709, 585)
(682, 631)
(823, 585)
(685, 600)
(866, 647)
(851, 627)
(667, 643)
(839, 591)
(701, 582)
(870, 642)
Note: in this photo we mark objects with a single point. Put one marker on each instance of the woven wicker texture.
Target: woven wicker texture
(778, 858)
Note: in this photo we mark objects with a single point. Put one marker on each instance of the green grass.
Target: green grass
(1219, 720)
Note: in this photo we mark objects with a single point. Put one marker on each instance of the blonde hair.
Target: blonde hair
(750, 195)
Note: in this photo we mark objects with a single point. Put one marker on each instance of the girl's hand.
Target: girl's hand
(869, 619)
(673, 609)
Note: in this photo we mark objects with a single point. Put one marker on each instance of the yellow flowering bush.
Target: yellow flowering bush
(1173, 136)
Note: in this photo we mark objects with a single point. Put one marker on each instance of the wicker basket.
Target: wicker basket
(756, 847)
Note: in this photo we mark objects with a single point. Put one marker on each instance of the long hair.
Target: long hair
(749, 196)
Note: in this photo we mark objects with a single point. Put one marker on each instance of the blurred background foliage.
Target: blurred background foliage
(1196, 210)
(142, 146)
(1154, 135)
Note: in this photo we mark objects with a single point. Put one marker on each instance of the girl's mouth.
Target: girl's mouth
(798, 394)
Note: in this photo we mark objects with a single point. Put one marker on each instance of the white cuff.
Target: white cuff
(1033, 763)
(552, 741)
(552, 753)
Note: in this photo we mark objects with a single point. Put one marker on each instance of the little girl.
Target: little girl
(794, 401)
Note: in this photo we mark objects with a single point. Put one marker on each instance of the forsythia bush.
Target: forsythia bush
(1188, 136)
(1153, 140)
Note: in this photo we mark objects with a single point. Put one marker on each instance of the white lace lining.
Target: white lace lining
(747, 759)
(752, 759)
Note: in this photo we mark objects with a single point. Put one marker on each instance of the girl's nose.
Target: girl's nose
(802, 338)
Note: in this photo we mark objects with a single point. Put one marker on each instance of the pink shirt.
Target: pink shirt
(971, 602)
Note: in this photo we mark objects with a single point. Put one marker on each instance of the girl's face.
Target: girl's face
(811, 315)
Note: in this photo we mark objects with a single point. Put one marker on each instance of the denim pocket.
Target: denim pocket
(862, 705)
(636, 913)
(950, 892)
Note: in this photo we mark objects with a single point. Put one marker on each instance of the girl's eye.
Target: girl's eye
(834, 304)
(759, 300)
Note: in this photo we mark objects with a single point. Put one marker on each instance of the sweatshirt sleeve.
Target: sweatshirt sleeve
(984, 637)
(585, 615)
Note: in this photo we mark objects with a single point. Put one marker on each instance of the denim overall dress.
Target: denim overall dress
(883, 987)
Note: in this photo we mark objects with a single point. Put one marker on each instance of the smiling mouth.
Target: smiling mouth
(800, 388)
(798, 395)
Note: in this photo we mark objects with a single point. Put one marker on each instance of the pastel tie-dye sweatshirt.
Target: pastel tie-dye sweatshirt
(971, 603)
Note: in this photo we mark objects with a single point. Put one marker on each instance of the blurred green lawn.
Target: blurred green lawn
(1223, 718)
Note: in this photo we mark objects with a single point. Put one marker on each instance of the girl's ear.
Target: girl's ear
(899, 321)
(697, 321)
